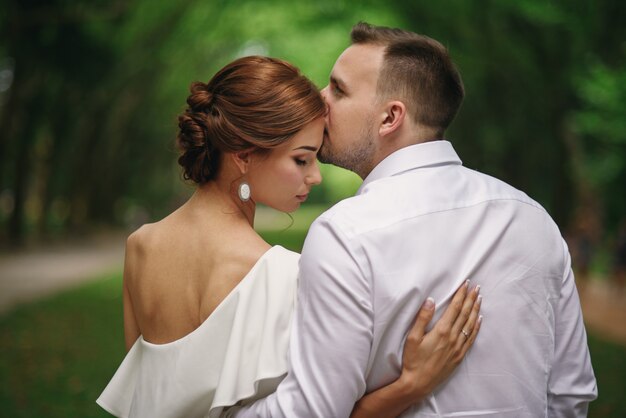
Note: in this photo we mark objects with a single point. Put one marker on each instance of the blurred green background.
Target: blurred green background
(90, 91)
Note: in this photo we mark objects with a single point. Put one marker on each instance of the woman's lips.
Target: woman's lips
(302, 197)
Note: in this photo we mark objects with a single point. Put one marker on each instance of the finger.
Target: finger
(469, 326)
(473, 335)
(423, 317)
(479, 318)
(456, 304)
(458, 357)
(466, 310)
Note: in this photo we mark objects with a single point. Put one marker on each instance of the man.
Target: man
(419, 225)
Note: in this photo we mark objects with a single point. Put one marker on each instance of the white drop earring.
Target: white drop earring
(244, 191)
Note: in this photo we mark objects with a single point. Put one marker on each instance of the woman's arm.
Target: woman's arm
(428, 358)
(131, 328)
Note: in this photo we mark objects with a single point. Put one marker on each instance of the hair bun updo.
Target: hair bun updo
(198, 158)
(201, 98)
(252, 103)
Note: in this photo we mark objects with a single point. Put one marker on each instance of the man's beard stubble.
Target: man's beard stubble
(357, 158)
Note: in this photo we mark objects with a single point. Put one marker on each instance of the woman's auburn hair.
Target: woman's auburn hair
(253, 103)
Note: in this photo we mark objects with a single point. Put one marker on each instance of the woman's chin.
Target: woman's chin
(292, 209)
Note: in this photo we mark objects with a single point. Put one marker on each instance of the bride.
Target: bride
(207, 302)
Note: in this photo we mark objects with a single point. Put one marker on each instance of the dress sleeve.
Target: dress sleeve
(572, 384)
(332, 334)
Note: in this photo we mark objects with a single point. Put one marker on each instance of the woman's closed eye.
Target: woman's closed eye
(305, 155)
(301, 161)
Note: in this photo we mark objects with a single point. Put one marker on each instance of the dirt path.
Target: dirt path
(32, 274)
(604, 311)
(35, 273)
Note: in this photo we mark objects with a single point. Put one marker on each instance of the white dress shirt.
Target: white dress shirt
(419, 226)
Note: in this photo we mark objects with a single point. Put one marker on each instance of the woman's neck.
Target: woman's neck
(223, 195)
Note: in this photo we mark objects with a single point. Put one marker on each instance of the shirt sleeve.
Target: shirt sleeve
(332, 334)
(572, 384)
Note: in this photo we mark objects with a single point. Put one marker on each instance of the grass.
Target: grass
(609, 365)
(56, 355)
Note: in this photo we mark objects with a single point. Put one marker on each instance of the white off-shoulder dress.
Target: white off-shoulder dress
(237, 355)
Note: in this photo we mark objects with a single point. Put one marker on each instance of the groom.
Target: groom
(419, 226)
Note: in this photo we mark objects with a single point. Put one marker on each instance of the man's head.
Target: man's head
(389, 89)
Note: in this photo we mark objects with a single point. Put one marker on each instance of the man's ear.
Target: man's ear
(241, 160)
(393, 118)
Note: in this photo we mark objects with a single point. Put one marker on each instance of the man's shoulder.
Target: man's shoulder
(346, 215)
(392, 199)
(498, 190)
(493, 188)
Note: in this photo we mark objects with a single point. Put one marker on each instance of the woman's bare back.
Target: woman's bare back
(178, 270)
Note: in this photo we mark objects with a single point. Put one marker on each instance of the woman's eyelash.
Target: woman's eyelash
(300, 161)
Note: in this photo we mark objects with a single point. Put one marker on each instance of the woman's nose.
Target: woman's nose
(315, 176)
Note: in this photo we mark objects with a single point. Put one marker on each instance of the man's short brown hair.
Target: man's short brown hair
(416, 70)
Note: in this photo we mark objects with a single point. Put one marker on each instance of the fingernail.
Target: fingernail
(477, 289)
(480, 319)
(430, 303)
(466, 284)
(479, 299)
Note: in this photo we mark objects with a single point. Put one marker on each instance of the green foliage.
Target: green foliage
(87, 126)
(600, 125)
(90, 118)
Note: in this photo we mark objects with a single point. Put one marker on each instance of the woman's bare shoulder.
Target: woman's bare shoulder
(140, 237)
(182, 239)
(151, 233)
(146, 242)
(149, 250)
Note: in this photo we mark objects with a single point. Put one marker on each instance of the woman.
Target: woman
(207, 302)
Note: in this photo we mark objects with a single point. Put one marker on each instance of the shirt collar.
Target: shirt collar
(426, 154)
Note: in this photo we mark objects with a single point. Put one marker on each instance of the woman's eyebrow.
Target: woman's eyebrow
(307, 147)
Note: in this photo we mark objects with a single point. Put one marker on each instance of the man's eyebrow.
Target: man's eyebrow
(307, 147)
